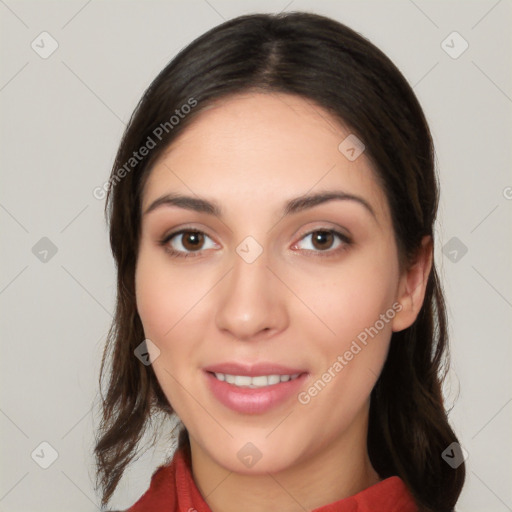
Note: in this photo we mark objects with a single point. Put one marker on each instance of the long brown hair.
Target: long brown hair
(337, 69)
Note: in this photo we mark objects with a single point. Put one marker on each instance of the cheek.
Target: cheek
(165, 297)
(166, 303)
(354, 303)
(350, 298)
(155, 305)
(350, 360)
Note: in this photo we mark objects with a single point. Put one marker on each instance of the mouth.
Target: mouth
(249, 389)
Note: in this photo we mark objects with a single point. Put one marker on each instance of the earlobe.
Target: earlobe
(412, 286)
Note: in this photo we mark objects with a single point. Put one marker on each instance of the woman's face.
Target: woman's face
(251, 277)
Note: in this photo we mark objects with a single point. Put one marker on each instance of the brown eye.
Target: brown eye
(326, 241)
(187, 242)
(192, 240)
(322, 240)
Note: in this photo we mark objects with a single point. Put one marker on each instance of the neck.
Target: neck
(338, 470)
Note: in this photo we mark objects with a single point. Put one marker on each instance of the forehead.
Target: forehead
(264, 147)
(244, 124)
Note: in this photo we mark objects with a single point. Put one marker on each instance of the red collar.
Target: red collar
(173, 489)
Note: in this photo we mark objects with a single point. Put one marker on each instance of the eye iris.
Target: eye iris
(321, 237)
(192, 240)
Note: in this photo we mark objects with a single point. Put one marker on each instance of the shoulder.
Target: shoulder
(392, 493)
(161, 492)
(388, 495)
(172, 488)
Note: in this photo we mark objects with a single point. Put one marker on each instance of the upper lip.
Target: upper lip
(253, 369)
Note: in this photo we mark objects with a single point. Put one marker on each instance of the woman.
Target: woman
(271, 211)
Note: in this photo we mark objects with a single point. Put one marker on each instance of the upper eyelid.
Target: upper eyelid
(341, 231)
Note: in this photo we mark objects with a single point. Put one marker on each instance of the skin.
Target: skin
(298, 304)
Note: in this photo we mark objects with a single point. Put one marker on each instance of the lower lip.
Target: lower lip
(253, 400)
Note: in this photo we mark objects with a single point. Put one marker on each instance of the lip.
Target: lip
(255, 400)
(253, 370)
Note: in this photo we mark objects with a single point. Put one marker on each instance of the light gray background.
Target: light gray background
(61, 121)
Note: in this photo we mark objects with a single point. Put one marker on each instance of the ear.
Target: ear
(412, 286)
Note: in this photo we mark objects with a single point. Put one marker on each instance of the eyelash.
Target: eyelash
(346, 243)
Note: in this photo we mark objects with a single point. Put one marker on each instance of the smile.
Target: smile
(254, 394)
(261, 381)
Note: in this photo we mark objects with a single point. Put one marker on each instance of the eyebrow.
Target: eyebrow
(292, 206)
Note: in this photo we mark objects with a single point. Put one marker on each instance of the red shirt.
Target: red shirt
(173, 489)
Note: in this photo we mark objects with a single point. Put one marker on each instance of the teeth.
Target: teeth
(274, 379)
(260, 381)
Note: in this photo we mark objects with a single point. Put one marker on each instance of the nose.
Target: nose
(251, 302)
